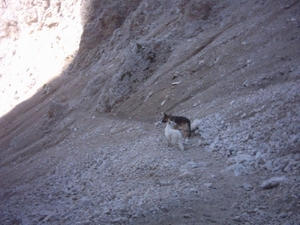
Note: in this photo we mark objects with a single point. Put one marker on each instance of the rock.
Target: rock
(282, 215)
(83, 223)
(51, 218)
(264, 147)
(187, 216)
(243, 158)
(196, 104)
(231, 161)
(247, 186)
(191, 165)
(259, 158)
(185, 173)
(208, 185)
(85, 201)
(297, 156)
(268, 165)
(281, 164)
(237, 219)
(272, 182)
(196, 125)
(238, 169)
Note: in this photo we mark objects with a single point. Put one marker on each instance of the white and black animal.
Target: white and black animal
(182, 123)
(173, 136)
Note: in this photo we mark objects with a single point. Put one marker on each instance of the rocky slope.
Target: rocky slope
(85, 148)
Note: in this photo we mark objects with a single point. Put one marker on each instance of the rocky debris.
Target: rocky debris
(255, 143)
(139, 180)
(272, 182)
(229, 66)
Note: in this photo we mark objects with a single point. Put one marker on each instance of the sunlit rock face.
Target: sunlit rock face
(38, 39)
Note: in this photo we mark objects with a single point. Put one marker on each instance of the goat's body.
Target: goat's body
(173, 136)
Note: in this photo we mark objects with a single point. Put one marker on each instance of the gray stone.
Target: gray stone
(51, 218)
(238, 169)
(272, 182)
(85, 201)
(282, 215)
(247, 186)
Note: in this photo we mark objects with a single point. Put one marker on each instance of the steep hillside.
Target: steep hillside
(83, 85)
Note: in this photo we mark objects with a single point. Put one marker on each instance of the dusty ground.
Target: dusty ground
(86, 148)
(122, 172)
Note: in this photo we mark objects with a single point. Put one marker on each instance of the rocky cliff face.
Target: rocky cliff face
(83, 82)
(38, 39)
